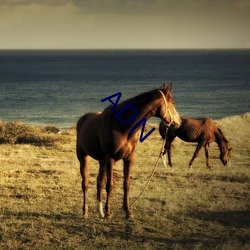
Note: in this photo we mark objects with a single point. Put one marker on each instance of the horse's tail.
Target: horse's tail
(79, 123)
(83, 118)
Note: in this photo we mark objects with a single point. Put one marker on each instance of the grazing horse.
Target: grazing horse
(203, 131)
(105, 138)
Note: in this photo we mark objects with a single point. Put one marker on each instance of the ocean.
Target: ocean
(57, 87)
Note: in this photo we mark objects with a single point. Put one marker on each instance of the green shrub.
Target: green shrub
(21, 133)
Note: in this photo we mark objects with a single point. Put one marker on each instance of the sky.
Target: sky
(124, 24)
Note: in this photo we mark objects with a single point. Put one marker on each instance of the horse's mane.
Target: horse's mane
(220, 136)
(140, 99)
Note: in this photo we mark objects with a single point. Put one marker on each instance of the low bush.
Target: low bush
(22, 133)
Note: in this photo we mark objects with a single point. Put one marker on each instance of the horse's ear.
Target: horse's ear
(169, 88)
(163, 86)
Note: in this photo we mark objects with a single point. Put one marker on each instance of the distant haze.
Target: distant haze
(124, 24)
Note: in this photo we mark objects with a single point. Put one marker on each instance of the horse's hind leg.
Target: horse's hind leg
(126, 186)
(100, 185)
(84, 169)
(207, 155)
(169, 147)
(109, 162)
(197, 150)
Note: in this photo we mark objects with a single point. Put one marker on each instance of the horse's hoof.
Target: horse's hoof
(164, 160)
(108, 216)
(101, 213)
(85, 216)
(129, 216)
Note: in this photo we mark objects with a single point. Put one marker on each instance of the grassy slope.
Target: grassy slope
(41, 198)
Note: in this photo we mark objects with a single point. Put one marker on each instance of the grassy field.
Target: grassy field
(182, 208)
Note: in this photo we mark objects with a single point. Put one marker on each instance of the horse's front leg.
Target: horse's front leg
(169, 147)
(163, 153)
(84, 169)
(197, 150)
(126, 185)
(207, 155)
(100, 185)
(110, 183)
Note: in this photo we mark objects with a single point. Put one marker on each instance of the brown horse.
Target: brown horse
(105, 138)
(203, 131)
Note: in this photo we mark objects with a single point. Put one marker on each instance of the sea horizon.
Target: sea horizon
(58, 86)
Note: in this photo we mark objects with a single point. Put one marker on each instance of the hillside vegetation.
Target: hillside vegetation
(182, 208)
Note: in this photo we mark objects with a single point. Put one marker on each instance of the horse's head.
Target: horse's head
(223, 144)
(167, 111)
(224, 157)
(225, 154)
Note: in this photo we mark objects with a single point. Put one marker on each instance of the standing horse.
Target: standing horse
(203, 131)
(103, 137)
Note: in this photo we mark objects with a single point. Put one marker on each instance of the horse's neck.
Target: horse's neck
(145, 105)
(221, 141)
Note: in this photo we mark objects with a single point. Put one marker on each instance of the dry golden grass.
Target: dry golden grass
(41, 198)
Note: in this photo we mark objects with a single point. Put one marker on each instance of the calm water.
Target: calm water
(57, 87)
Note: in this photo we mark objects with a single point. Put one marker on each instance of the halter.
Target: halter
(167, 109)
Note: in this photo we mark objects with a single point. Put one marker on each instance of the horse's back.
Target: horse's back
(209, 125)
(195, 130)
(205, 122)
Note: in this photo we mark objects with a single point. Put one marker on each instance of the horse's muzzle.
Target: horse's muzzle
(225, 163)
(176, 125)
(176, 121)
